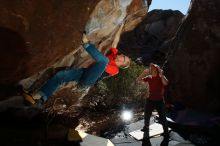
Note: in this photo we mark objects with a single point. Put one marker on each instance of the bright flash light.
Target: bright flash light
(126, 115)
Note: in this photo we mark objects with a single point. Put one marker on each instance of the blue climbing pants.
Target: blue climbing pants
(84, 76)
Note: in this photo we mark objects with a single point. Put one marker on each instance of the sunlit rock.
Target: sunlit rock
(36, 35)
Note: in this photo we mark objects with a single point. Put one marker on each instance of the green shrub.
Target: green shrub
(122, 88)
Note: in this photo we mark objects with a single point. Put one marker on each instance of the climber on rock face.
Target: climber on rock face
(85, 77)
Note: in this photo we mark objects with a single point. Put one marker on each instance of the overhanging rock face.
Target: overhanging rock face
(194, 66)
(35, 35)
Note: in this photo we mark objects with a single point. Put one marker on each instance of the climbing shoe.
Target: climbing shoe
(28, 97)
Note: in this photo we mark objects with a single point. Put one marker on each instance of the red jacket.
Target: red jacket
(111, 68)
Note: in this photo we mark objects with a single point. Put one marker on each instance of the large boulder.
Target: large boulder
(35, 35)
(146, 41)
(194, 65)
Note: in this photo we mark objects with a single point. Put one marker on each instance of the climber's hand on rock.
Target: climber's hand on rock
(84, 39)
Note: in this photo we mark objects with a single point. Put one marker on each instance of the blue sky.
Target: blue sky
(181, 5)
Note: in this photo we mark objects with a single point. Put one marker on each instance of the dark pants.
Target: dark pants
(149, 107)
